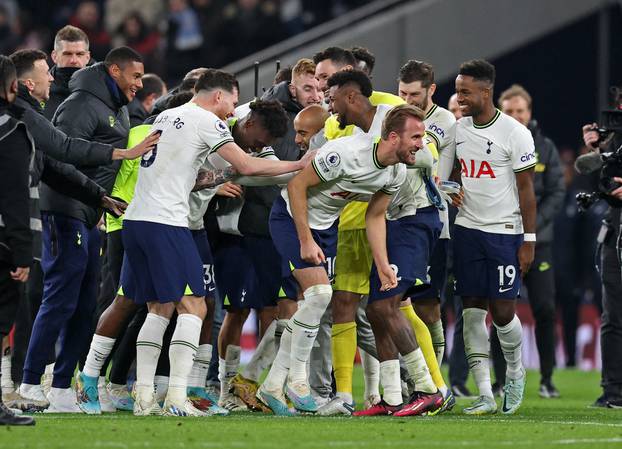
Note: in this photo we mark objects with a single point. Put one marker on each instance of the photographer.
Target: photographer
(611, 273)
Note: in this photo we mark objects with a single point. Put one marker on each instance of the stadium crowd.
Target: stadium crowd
(140, 223)
(170, 35)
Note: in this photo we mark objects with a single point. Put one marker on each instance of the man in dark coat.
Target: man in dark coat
(95, 110)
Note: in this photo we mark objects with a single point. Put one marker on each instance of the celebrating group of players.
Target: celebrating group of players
(332, 207)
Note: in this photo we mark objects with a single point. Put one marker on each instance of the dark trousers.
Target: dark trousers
(70, 263)
(540, 283)
(611, 323)
(26, 314)
(458, 366)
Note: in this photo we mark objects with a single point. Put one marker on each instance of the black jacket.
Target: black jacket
(95, 110)
(258, 200)
(16, 153)
(56, 143)
(137, 113)
(548, 184)
(59, 90)
(61, 177)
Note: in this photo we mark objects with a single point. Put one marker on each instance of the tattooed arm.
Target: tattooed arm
(207, 179)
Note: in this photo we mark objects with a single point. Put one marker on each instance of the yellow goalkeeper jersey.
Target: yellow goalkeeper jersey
(353, 215)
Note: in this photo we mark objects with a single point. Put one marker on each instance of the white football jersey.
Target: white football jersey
(350, 171)
(441, 127)
(168, 172)
(489, 156)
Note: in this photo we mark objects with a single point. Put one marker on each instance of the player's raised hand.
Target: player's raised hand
(310, 252)
(115, 207)
(143, 147)
(388, 278)
(307, 158)
(526, 254)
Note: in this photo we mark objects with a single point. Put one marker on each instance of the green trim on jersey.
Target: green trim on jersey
(490, 123)
(317, 172)
(374, 152)
(436, 141)
(431, 111)
(525, 168)
(266, 154)
(219, 145)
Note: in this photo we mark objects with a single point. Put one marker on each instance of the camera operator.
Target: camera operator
(611, 272)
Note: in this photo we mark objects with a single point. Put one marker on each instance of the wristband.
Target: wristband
(529, 237)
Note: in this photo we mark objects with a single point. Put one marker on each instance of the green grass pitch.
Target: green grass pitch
(555, 423)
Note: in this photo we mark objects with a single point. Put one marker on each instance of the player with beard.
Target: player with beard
(304, 227)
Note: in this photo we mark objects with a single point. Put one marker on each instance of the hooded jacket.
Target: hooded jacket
(95, 110)
(548, 184)
(59, 90)
(258, 200)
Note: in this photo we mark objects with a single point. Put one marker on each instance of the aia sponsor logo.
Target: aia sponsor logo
(476, 169)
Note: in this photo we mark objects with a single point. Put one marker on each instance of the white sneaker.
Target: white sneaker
(62, 400)
(146, 406)
(182, 409)
(320, 401)
(33, 394)
(105, 401)
(232, 403)
(336, 407)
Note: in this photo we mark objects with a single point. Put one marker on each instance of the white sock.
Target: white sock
(511, 340)
(275, 380)
(184, 344)
(419, 372)
(391, 383)
(281, 324)
(6, 380)
(98, 353)
(161, 387)
(148, 347)
(477, 348)
(200, 367)
(228, 368)
(438, 340)
(305, 324)
(371, 373)
(263, 356)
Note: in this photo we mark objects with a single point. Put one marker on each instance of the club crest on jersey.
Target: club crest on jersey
(111, 121)
(476, 169)
(221, 127)
(489, 143)
(333, 159)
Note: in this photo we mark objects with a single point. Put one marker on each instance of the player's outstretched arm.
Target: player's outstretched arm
(297, 192)
(250, 166)
(261, 181)
(207, 179)
(527, 201)
(377, 237)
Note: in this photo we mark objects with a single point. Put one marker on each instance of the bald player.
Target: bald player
(308, 123)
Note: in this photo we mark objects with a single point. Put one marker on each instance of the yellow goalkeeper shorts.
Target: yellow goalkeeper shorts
(353, 262)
